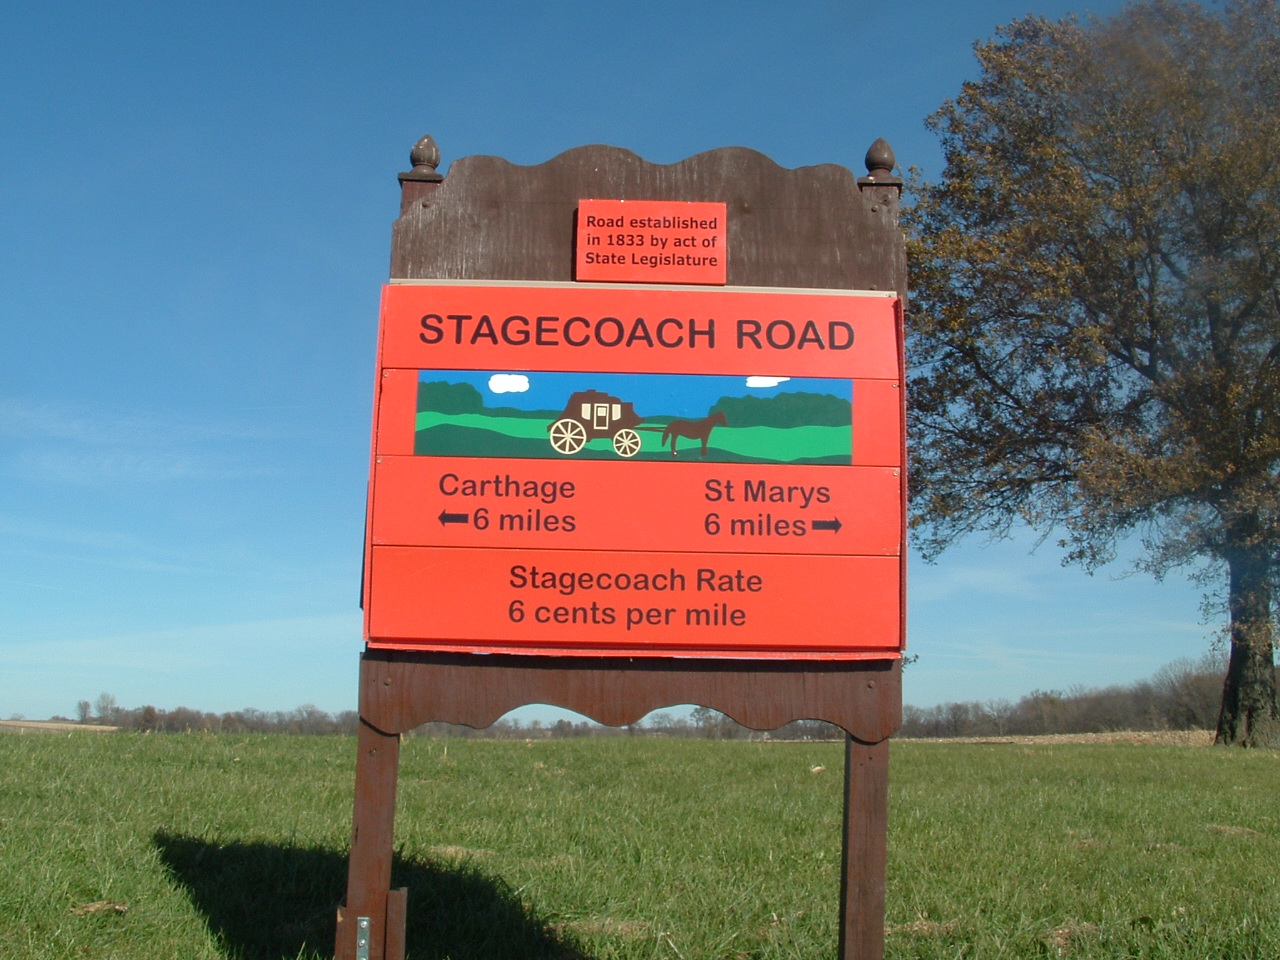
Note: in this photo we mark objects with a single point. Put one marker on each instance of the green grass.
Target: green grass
(632, 848)
(475, 434)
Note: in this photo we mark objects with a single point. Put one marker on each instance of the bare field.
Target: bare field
(52, 726)
(1155, 738)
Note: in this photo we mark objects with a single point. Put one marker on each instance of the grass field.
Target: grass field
(136, 846)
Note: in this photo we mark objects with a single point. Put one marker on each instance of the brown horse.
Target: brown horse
(693, 429)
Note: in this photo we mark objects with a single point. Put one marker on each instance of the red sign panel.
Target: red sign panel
(636, 472)
(651, 241)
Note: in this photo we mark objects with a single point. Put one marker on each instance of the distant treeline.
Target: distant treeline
(1183, 695)
(307, 719)
(310, 720)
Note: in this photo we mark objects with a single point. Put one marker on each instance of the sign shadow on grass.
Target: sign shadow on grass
(271, 901)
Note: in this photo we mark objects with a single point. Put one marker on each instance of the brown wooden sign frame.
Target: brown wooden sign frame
(815, 227)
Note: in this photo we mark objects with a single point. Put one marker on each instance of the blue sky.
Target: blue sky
(194, 225)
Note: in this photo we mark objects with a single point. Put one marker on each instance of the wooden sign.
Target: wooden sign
(637, 471)
(638, 489)
(652, 241)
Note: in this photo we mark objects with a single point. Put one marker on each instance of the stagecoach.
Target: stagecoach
(590, 415)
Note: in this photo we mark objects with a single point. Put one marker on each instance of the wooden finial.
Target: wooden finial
(425, 157)
(880, 163)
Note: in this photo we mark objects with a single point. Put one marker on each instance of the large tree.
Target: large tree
(1094, 332)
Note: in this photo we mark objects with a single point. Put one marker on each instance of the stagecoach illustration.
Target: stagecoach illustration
(590, 415)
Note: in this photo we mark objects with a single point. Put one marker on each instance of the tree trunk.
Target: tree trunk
(1249, 713)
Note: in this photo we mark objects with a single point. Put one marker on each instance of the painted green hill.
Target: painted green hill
(795, 409)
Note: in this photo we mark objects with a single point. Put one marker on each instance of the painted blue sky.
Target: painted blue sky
(194, 229)
(690, 397)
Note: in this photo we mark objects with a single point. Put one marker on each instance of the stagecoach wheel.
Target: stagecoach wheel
(568, 436)
(626, 442)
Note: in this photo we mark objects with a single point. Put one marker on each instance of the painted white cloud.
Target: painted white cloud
(766, 381)
(509, 383)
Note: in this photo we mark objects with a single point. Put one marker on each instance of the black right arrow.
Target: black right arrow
(453, 517)
(832, 525)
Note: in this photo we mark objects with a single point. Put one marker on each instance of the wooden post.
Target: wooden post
(862, 880)
(369, 873)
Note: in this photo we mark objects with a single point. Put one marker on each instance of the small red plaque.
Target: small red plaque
(651, 241)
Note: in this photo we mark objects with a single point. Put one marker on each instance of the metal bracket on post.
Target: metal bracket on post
(362, 938)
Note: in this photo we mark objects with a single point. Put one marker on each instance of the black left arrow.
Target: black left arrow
(832, 525)
(453, 517)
